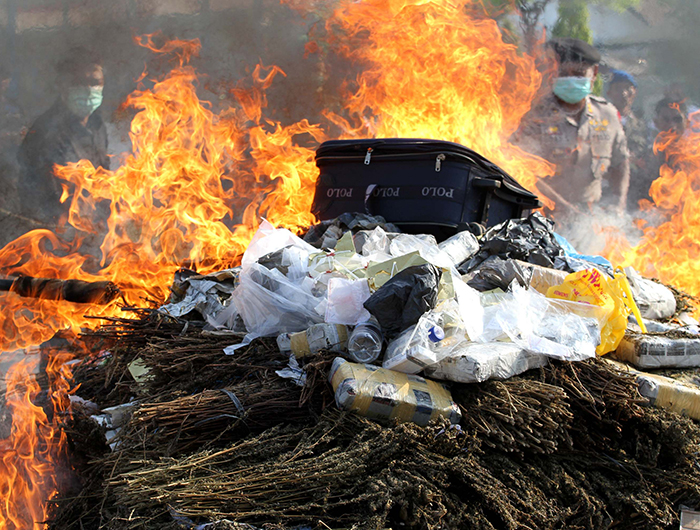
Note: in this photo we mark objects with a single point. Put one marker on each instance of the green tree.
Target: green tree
(573, 20)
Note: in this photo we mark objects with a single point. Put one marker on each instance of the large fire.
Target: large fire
(198, 181)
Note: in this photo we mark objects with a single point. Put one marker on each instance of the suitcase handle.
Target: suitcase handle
(488, 184)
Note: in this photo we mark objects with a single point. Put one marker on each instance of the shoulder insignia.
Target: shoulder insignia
(599, 99)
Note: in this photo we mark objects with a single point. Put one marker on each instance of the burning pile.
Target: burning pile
(192, 193)
(196, 437)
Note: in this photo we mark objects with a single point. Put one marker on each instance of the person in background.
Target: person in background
(71, 130)
(622, 91)
(671, 121)
(581, 134)
(671, 115)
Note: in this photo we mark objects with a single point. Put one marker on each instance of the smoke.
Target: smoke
(591, 233)
(235, 37)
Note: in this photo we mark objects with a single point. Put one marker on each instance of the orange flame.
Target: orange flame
(31, 456)
(432, 71)
(670, 250)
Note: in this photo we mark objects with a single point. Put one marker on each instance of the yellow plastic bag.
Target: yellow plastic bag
(614, 296)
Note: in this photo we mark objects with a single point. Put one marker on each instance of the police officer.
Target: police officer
(71, 130)
(581, 134)
(622, 91)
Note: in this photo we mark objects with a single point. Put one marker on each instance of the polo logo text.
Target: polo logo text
(386, 192)
(438, 192)
(337, 193)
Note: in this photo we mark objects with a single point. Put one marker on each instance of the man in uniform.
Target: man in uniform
(581, 134)
(622, 92)
(71, 130)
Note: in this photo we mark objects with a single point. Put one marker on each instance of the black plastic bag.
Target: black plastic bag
(400, 302)
(495, 273)
(531, 240)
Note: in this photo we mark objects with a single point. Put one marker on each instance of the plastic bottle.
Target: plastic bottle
(365, 342)
(414, 349)
(460, 247)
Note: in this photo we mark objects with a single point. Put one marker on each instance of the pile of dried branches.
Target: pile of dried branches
(346, 471)
(104, 375)
(189, 422)
(223, 437)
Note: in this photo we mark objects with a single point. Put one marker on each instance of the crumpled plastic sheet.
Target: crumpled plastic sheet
(207, 295)
(293, 372)
(540, 325)
(327, 233)
(655, 301)
(531, 240)
(345, 301)
(497, 273)
(270, 303)
(269, 239)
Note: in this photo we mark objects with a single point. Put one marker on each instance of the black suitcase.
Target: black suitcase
(423, 186)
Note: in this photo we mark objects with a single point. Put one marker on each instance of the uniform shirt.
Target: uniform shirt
(583, 148)
(56, 137)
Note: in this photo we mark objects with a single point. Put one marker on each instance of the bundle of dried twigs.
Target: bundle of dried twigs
(196, 361)
(601, 399)
(186, 423)
(519, 415)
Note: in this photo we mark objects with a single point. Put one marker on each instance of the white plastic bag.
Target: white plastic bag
(552, 327)
(376, 245)
(270, 303)
(345, 299)
(470, 308)
(419, 346)
(270, 239)
(655, 301)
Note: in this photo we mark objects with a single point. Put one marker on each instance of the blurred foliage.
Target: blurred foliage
(574, 21)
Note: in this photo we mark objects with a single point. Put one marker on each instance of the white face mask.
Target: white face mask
(84, 100)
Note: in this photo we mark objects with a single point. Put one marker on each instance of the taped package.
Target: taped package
(666, 393)
(659, 351)
(382, 394)
(477, 362)
(319, 337)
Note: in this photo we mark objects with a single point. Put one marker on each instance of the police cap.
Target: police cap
(575, 50)
(620, 76)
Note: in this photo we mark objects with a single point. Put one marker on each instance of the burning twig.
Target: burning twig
(77, 291)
